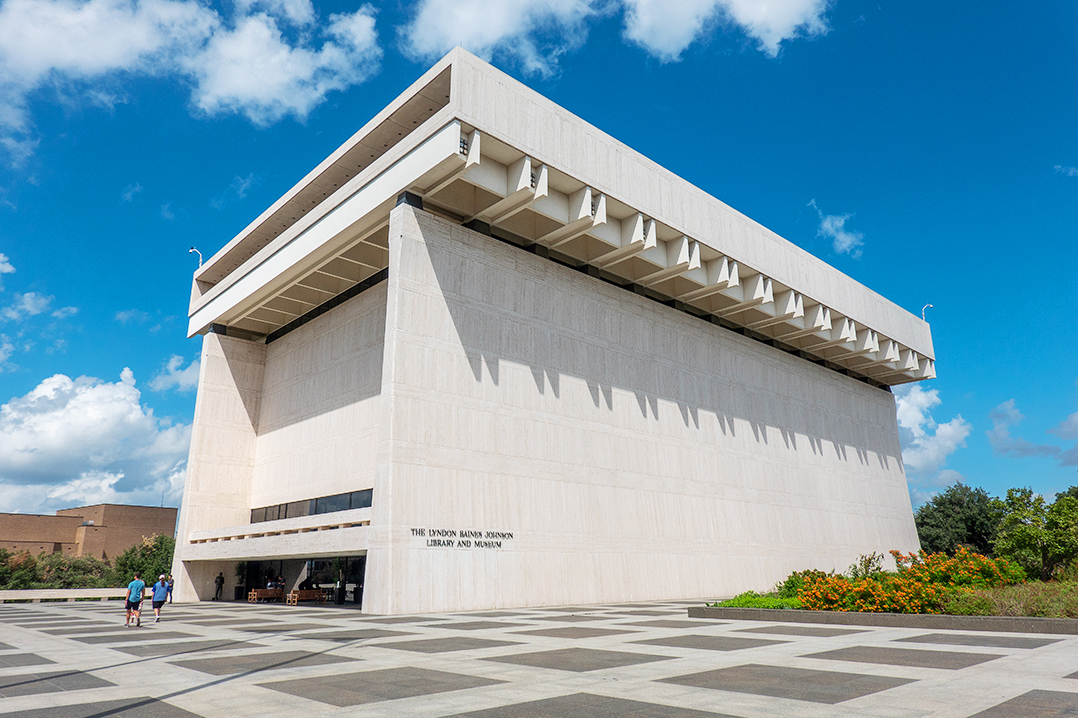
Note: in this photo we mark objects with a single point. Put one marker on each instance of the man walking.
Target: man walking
(158, 595)
(218, 586)
(135, 589)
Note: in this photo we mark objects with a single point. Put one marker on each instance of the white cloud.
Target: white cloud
(6, 267)
(240, 64)
(65, 312)
(132, 315)
(129, 192)
(176, 375)
(1068, 171)
(833, 227)
(666, 29)
(1003, 418)
(538, 32)
(534, 32)
(926, 444)
(6, 350)
(25, 305)
(236, 191)
(252, 70)
(1067, 429)
(166, 211)
(71, 441)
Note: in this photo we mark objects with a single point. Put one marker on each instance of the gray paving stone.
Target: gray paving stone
(6, 647)
(571, 618)
(278, 627)
(352, 689)
(133, 635)
(587, 705)
(1035, 704)
(348, 636)
(672, 623)
(992, 640)
(29, 684)
(402, 619)
(17, 660)
(475, 625)
(946, 660)
(802, 630)
(444, 645)
(183, 647)
(710, 643)
(230, 622)
(224, 666)
(573, 632)
(86, 630)
(124, 708)
(577, 659)
(494, 614)
(644, 613)
(794, 683)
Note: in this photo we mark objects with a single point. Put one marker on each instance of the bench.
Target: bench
(307, 594)
(265, 594)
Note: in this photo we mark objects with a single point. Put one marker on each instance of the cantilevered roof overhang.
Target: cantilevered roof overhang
(482, 149)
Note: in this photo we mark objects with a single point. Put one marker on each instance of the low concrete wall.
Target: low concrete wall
(63, 594)
(1000, 624)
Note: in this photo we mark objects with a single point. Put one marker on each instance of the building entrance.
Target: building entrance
(341, 577)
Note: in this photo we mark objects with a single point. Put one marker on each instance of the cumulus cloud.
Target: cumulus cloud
(1003, 418)
(927, 444)
(6, 350)
(666, 29)
(65, 312)
(25, 305)
(1067, 429)
(253, 70)
(833, 227)
(84, 440)
(175, 375)
(6, 267)
(240, 64)
(538, 32)
(535, 32)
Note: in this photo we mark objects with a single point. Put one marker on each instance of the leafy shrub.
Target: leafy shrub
(149, 559)
(1049, 600)
(791, 587)
(866, 566)
(751, 599)
(969, 603)
(924, 583)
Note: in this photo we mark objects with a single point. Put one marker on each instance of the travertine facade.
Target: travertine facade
(681, 404)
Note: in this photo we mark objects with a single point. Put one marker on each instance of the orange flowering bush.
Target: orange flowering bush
(923, 583)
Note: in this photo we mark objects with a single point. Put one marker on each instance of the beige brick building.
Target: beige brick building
(103, 531)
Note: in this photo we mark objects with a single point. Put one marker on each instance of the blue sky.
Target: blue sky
(929, 150)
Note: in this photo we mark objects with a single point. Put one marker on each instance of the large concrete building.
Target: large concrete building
(484, 355)
(102, 531)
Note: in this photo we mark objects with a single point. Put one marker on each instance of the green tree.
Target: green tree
(149, 559)
(960, 516)
(1038, 536)
(1072, 492)
(56, 570)
(23, 569)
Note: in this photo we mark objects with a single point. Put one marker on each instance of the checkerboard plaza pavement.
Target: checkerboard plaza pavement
(76, 660)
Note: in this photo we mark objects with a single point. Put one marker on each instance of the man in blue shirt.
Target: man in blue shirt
(135, 589)
(159, 596)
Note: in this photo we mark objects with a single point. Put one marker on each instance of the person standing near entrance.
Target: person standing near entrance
(218, 586)
(171, 582)
(135, 589)
(159, 593)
